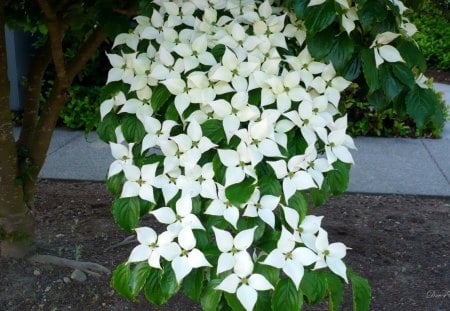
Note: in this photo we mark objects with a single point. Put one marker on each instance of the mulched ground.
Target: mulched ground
(400, 243)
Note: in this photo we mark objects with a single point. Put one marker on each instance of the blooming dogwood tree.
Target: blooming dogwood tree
(223, 127)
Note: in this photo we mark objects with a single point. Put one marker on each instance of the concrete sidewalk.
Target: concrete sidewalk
(382, 165)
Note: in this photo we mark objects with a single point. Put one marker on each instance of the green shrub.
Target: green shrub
(433, 37)
(365, 120)
(82, 110)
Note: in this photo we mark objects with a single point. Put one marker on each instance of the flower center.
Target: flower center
(326, 252)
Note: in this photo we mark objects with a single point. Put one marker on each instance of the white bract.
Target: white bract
(330, 255)
(289, 258)
(262, 207)
(231, 248)
(244, 282)
(383, 50)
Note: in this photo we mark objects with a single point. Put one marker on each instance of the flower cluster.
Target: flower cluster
(242, 118)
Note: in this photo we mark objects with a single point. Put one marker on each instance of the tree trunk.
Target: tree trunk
(17, 224)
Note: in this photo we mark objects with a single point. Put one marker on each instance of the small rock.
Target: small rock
(47, 289)
(66, 280)
(78, 276)
(36, 272)
(59, 235)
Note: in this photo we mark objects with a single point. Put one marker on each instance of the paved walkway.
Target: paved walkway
(383, 165)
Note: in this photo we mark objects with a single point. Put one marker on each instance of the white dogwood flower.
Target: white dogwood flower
(122, 68)
(189, 257)
(123, 157)
(244, 282)
(140, 181)
(198, 180)
(289, 258)
(106, 106)
(182, 218)
(293, 178)
(335, 145)
(156, 132)
(195, 53)
(330, 85)
(384, 51)
(230, 247)
(262, 207)
(232, 66)
(223, 207)
(152, 247)
(304, 231)
(192, 145)
(330, 255)
(178, 15)
(237, 163)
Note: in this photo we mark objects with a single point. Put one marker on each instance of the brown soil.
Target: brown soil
(400, 243)
(439, 75)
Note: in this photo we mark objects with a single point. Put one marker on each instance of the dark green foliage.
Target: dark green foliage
(433, 23)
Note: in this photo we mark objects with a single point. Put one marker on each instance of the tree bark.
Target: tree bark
(16, 220)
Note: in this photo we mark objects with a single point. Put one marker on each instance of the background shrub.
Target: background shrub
(433, 23)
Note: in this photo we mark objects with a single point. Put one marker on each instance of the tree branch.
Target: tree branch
(85, 53)
(85, 266)
(39, 64)
(55, 33)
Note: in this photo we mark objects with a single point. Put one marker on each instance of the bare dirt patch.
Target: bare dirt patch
(400, 243)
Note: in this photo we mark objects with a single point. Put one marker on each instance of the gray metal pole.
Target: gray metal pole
(18, 48)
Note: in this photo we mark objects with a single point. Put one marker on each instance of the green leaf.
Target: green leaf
(370, 69)
(319, 196)
(338, 178)
(106, 128)
(139, 275)
(372, 11)
(113, 23)
(313, 286)
(120, 280)
(115, 183)
(269, 185)
(133, 130)
(335, 288)
(219, 169)
(286, 297)
(233, 302)
(299, 203)
(361, 292)
(270, 273)
(269, 240)
(341, 52)
(192, 284)
(160, 96)
(152, 290)
(391, 86)
(353, 68)
(171, 113)
(320, 44)
(319, 17)
(299, 7)
(404, 74)
(126, 212)
(213, 129)
(211, 296)
(169, 285)
(240, 193)
(411, 54)
(254, 97)
(145, 8)
(421, 105)
(264, 299)
(218, 51)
